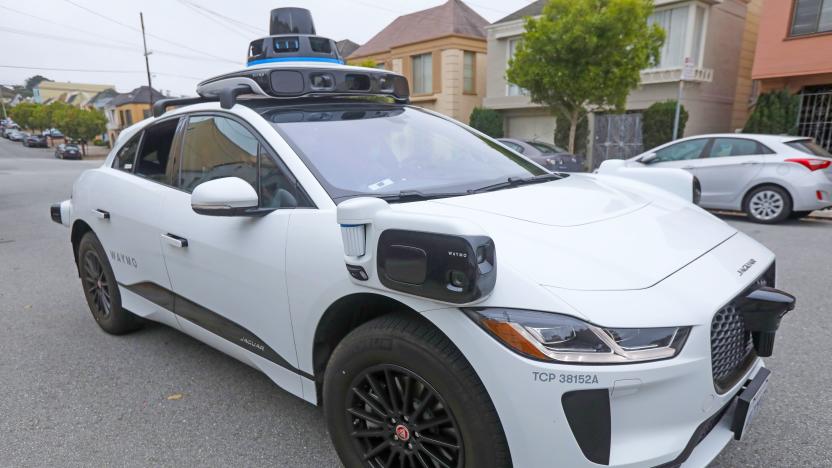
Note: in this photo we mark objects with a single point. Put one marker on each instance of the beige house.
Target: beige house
(77, 94)
(441, 51)
(712, 34)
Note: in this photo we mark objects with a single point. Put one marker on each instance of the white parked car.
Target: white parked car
(448, 302)
(769, 177)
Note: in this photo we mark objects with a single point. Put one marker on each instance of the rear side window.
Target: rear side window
(734, 147)
(809, 147)
(126, 155)
(154, 160)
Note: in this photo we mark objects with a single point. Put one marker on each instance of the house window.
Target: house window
(423, 74)
(145, 114)
(468, 63)
(685, 28)
(380, 65)
(811, 16)
(513, 89)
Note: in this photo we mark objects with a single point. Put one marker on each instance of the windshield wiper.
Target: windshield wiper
(413, 195)
(517, 181)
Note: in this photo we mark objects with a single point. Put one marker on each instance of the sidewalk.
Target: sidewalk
(825, 214)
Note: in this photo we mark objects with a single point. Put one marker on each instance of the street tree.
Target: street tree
(33, 81)
(22, 114)
(80, 124)
(585, 55)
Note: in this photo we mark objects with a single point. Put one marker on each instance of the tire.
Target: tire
(412, 354)
(101, 289)
(799, 214)
(768, 204)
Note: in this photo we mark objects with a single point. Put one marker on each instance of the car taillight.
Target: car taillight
(811, 164)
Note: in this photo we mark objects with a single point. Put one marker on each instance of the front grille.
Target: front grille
(732, 350)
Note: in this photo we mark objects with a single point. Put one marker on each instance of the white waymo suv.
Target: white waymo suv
(448, 302)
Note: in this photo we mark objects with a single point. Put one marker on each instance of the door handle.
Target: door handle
(101, 214)
(174, 240)
(687, 168)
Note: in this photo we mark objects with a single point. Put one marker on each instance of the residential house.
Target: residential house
(795, 54)
(346, 47)
(441, 51)
(125, 109)
(709, 33)
(76, 94)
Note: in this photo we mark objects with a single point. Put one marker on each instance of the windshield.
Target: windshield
(379, 149)
(810, 147)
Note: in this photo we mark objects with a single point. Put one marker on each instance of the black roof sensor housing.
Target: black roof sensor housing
(292, 37)
(291, 20)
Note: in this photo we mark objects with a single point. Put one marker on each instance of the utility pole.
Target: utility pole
(146, 60)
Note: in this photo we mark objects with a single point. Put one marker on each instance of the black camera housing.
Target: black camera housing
(448, 268)
(762, 309)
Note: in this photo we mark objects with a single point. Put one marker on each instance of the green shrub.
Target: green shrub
(487, 121)
(98, 142)
(774, 113)
(657, 123)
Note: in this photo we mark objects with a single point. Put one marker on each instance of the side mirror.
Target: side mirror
(648, 158)
(228, 196)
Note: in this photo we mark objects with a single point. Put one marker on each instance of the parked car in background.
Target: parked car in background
(67, 151)
(769, 177)
(16, 135)
(33, 141)
(547, 155)
(53, 133)
(9, 130)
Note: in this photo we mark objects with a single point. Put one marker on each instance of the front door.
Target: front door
(228, 273)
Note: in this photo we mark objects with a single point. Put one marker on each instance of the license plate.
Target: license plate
(748, 402)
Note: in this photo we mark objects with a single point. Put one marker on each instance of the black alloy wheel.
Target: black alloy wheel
(96, 286)
(397, 419)
(101, 289)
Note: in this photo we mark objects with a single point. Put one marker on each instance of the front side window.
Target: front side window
(378, 149)
(126, 155)
(154, 161)
(468, 65)
(733, 147)
(682, 151)
(215, 147)
(423, 74)
(811, 16)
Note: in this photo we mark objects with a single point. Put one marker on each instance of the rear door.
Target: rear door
(126, 205)
(727, 169)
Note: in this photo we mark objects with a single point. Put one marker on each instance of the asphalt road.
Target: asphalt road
(71, 395)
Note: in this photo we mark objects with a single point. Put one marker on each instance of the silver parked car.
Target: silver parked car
(769, 177)
(551, 157)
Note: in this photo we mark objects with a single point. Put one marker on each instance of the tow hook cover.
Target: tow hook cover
(762, 309)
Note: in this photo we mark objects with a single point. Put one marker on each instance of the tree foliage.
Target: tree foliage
(487, 121)
(775, 113)
(585, 55)
(367, 63)
(22, 113)
(657, 123)
(79, 124)
(33, 81)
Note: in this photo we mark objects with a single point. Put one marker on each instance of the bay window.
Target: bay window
(685, 28)
(423, 74)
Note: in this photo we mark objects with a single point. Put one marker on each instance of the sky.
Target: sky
(189, 40)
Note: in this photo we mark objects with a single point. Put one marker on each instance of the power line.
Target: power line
(88, 70)
(213, 20)
(132, 28)
(102, 45)
(241, 24)
(73, 28)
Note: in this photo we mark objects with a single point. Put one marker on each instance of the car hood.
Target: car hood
(585, 233)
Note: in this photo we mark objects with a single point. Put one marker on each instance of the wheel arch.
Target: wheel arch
(79, 228)
(767, 183)
(342, 317)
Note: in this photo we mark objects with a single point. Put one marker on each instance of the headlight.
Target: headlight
(554, 337)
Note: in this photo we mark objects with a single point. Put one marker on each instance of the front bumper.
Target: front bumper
(655, 408)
